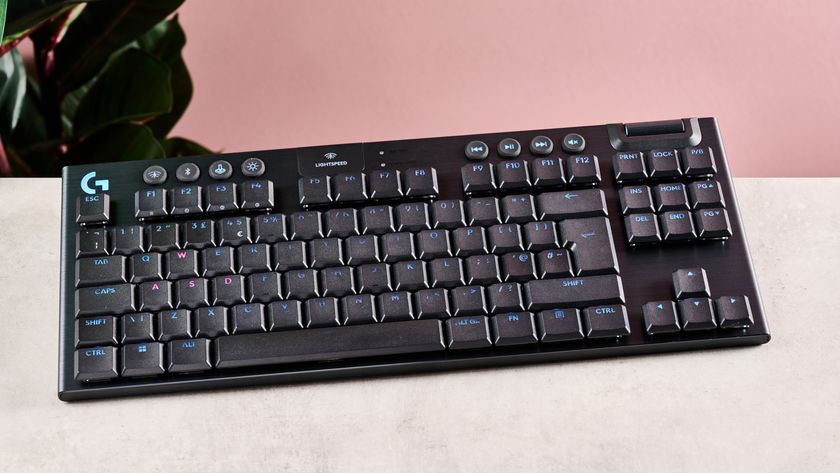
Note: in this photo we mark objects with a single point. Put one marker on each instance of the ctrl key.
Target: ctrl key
(189, 355)
(96, 363)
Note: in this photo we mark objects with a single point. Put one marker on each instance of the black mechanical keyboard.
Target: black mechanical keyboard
(377, 258)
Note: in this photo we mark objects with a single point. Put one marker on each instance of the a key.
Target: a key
(256, 195)
(385, 184)
(325, 252)
(432, 304)
(394, 306)
(349, 187)
(253, 258)
(263, 287)
(705, 194)
(93, 209)
(696, 314)
(433, 244)
(163, 236)
(573, 292)
(575, 203)
(734, 312)
(142, 359)
(409, 275)
(137, 328)
(713, 223)
(663, 163)
(228, 290)
(115, 299)
(186, 200)
(505, 238)
(300, 284)
(660, 317)
(336, 282)
(698, 161)
(285, 315)
(518, 209)
(100, 270)
(554, 263)
(629, 166)
(211, 322)
(150, 203)
(446, 272)
(469, 241)
(199, 234)
(412, 217)
(482, 269)
(676, 225)
(670, 196)
(448, 214)
(270, 228)
(340, 223)
(96, 363)
(188, 355)
(127, 240)
(642, 228)
(513, 175)
(221, 197)
(464, 333)
(91, 242)
(377, 220)
(234, 231)
(181, 264)
(155, 295)
(606, 321)
(174, 324)
(290, 255)
(217, 261)
(518, 267)
(483, 211)
(305, 225)
(548, 172)
(582, 169)
(592, 245)
(373, 278)
(478, 177)
(420, 181)
(93, 331)
(361, 249)
(559, 325)
(468, 300)
(397, 247)
(635, 199)
(514, 328)
(247, 318)
(358, 309)
(314, 190)
(690, 282)
(191, 293)
(540, 236)
(504, 297)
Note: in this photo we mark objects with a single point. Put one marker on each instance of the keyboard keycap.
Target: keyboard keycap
(513, 175)
(540, 236)
(142, 359)
(642, 228)
(199, 234)
(394, 306)
(116, 299)
(358, 309)
(270, 228)
(264, 287)
(349, 187)
(504, 297)
(518, 209)
(181, 264)
(300, 284)
(336, 282)
(573, 292)
(305, 225)
(606, 321)
(285, 315)
(432, 304)
(150, 203)
(326, 344)
(340, 223)
(409, 275)
(373, 278)
(660, 317)
(446, 272)
(96, 363)
(137, 328)
(93, 209)
(217, 261)
(554, 263)
(248, 318)
(397, 247)
(505, 238)
(583, 169)
(635, 199)
(101, 270)
(482, 269)
(690, 282)
(518, 267)
(464, 333)
(478, 177)
(676, 225)
(663, 163)
(705, 194)
(385, 184)
(290, 255)
(468, 300)
(189, 355)
(412, 217)
(548, 172)
(515, 328)
(592, 245)
(314, 190)
(559, 325)
(361, 249)
(325, 252)
(186, 200)
(469, 241)
(93, 331)
(734, 312)
(698, 161)
(433, 244)
(234, 231)
(571, 204)
(420, 181)
(670, 196)
(256, 195)
(228, 290)
(483, 211)
(191, 293)
(696, 314)
(377, 220)
(254, 258)
(155, 295)
(163, 237)
(127, 239)
(713, 223)
(91, 242)
(448, 214)
(211, 322)
(174, 324)
(629, 166)
(221, 197)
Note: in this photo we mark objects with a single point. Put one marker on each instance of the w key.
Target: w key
(592, 245)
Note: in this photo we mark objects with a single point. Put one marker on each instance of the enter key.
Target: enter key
(591, 244)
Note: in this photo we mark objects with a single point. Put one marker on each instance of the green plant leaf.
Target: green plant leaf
(165, 41)
(3, 8)
(120, 142)
(23, 15)
(101, 29)
(133, 86)
(176, 146)
(12, 90)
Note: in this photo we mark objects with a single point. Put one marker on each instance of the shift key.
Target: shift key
(110, 300)
(573, 292)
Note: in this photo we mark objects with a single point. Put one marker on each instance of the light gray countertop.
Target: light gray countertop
(772, 408)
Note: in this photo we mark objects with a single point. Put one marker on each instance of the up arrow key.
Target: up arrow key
(660, 307)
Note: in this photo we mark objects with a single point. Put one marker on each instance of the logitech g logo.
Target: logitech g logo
(100, 183)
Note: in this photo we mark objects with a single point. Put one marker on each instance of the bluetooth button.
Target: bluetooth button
(154, 175)
(187, 172)
(221, 169)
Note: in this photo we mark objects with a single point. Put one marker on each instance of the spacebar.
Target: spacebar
(322, 344)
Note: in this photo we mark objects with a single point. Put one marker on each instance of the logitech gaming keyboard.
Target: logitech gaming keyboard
(335, 261)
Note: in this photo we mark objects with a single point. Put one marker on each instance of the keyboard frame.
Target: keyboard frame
(728, 264)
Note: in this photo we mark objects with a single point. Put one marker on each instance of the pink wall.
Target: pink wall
(273, 74)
